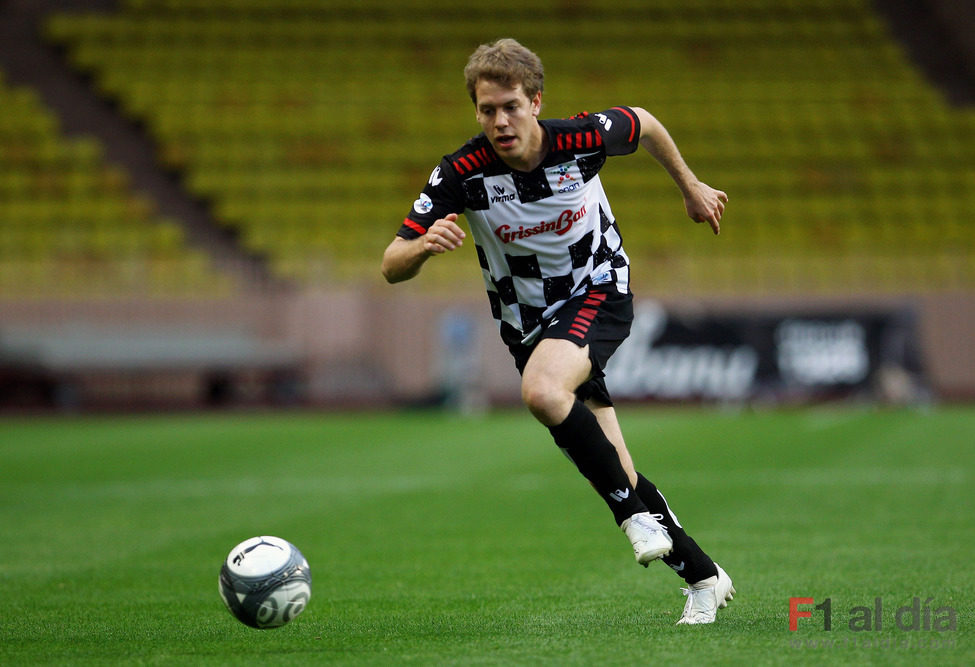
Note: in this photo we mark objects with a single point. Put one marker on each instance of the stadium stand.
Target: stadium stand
(71, 226)
(310, 126)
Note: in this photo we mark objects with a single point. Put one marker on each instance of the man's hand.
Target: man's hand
(705, 204)
(403, 259)
(443, 235)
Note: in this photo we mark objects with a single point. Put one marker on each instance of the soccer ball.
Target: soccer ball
(265, 582)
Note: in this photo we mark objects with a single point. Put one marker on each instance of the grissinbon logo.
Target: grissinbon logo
(560, 226)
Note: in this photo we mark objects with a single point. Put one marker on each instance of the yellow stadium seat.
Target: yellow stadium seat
(296, 116)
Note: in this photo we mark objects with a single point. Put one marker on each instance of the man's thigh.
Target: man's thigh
(558, 363)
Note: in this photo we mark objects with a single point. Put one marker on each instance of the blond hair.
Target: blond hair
(507, 63)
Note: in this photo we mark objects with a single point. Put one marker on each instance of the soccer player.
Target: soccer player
(557, 278)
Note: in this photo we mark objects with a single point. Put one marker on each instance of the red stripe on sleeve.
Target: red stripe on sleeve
(414, 226)
(626, 112)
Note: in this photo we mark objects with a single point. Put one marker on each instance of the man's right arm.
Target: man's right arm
(404, 258)
(703, 203)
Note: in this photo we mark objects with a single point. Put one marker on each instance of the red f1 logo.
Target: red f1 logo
(795, 614)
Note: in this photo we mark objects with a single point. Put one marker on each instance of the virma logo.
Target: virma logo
(501, 195)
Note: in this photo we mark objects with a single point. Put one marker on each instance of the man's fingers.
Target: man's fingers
(451, 233)
(439, 243)
(713, 219)
(444, 235)
(713, 210)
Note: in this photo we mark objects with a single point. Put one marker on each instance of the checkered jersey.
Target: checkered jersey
(542, 237)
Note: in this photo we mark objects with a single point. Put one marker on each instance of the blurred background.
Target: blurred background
(195, 196)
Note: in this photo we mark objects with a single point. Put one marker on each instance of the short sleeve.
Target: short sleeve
(619, 128)
(441, 195)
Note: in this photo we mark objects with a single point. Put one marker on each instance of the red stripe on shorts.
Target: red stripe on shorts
(588, 314)
(595, 298)
(577, 333)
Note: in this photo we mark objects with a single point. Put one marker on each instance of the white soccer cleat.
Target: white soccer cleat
(705, 598)
(649, 538)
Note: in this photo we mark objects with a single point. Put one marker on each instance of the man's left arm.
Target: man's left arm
(703, 203)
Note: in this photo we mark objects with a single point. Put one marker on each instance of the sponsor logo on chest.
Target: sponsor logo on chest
(501, 195)
(566, 181)
(559, 226)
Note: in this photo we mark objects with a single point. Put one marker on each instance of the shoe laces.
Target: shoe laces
(655, 517)
(694, 599)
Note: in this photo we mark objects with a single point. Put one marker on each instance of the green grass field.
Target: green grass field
(435, 539)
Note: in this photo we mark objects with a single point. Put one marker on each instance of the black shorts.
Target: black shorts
(600, 319)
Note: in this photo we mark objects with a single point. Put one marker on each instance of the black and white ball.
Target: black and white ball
(265, 582)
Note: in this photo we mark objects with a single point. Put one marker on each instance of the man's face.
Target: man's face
(509, 120)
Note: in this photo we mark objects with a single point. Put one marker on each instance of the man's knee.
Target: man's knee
(553, 372)
(546, 399)
(538, 396)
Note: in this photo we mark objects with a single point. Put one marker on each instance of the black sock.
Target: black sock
(687, 559)
(584, 442)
